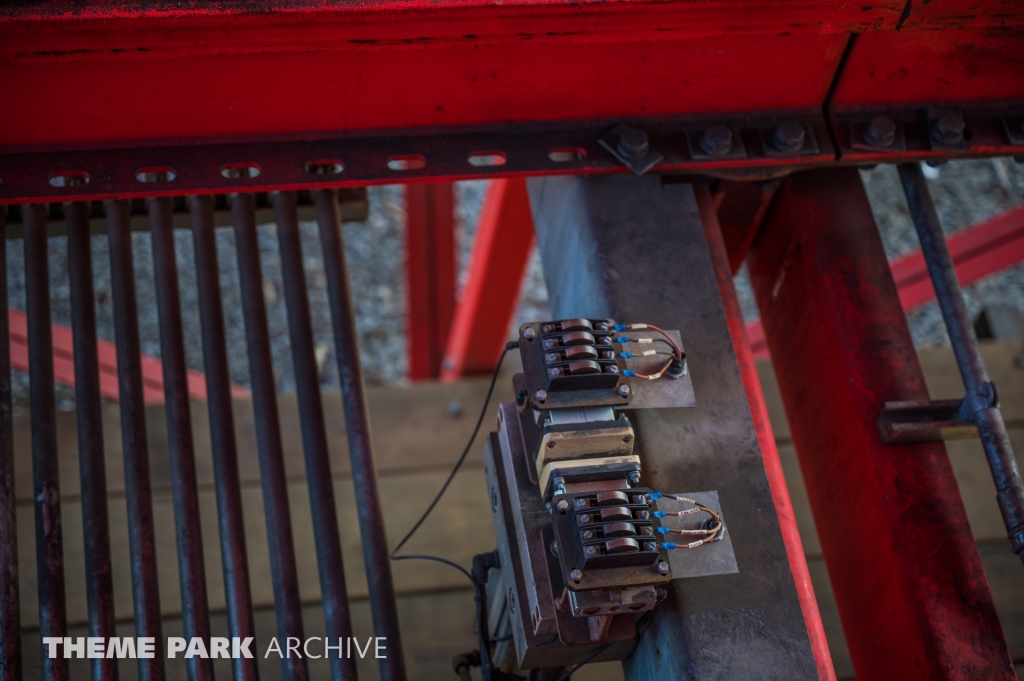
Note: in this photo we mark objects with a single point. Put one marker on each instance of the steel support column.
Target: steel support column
(430, 274)
(908, 581)
(635, 250)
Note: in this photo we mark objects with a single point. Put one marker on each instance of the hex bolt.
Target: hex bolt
(590, 551)
(880, 132)
(662, 568)
(576, 574)
(540, 395)
(581, 504)
(633, 143)
(634, 477)
(559, 485)
(716, 140)
(623, 390)
(562, 505)
(949, 128)
(661, 594)
(789, 136)
(529, 333)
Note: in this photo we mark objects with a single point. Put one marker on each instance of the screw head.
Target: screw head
(623, 390)
(540, 395)
(581, 504)
(554, 372)
(634, 477)
(650, 546)
(880, 132)
(612, 369)
(789, 136)
(643, 515)
(562, 505)
(584, 519)
(588, 534)
(662, 568)
(633, 143)
(549, 343)
(949, 128)
(529, 333)
(590, 551)
(576, 574)
(716, 140)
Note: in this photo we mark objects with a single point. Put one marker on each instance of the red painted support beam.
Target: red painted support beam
(501, 253)
(765, 437)
(64, 364)
(908, 581)
(978, 252)
(430, 274)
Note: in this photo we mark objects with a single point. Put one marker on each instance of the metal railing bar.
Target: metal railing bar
(268, 434)
(371, 518)
(141, 534)
(237, 592)
(337, 617)
(99, 586)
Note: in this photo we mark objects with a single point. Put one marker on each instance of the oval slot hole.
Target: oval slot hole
(328, 166)
(235, 171)
(482, 159)
(162, 174)
(566, 154)
(408, 162)
(69, 179)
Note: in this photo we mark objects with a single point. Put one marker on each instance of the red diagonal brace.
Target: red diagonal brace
(906, 573)
(501, 253)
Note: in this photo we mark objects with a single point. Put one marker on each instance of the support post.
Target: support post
(632, 249)
(430, 274)
(908, 581)
(501, 254)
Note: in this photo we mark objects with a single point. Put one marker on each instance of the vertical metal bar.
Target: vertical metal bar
(364, 474)
(980, 397)
(46, 478)
(721, 261)
(268, 434)
(99, 586)
(337, 617)
(238, 596)
(10, 604)
(191, 569)
(138, 493)
(841, 348)
(430, 274)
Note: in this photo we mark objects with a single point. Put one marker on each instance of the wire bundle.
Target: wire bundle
(676, 354)
(707, 534)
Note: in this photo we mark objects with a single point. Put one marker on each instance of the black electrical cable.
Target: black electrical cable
(511, 345)
(441, 560)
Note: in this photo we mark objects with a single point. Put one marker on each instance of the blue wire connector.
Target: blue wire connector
(620, 327)
(662, 530)
(660, 514)
(622, 339)
(628, 373)
(625, 355)
(668, 545)
(655, 495)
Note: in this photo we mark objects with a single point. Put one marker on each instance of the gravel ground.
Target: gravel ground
(965, 191)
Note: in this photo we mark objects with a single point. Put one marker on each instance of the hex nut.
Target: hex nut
(623, 390)
(789, 136)
(716, 140)
(540, 395)
(562, 505)
(576, 574)
(633, 143)
(949, 128)
(529, 333)
(662, 568)
(880, 132)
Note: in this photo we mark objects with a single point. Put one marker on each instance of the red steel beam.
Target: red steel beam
(64, 364)
(765, 437)
(501, 253)
(909, 584)
(430, 275)
(978, 252)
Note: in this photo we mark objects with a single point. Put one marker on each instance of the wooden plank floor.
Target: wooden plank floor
(418, 435)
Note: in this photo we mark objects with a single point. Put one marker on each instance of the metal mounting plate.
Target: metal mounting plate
(716, 558)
